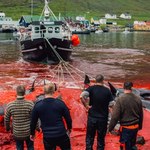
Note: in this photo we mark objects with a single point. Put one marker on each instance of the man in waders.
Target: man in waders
(99, 98)
(128, 110)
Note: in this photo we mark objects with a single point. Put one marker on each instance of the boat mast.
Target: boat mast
(31, 9)
(47, 12)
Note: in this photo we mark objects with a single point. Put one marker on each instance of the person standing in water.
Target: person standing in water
(96, 100)
(51, 112)
(129, 112)
(20, 111)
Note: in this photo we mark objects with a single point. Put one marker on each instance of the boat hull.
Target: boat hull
(7, 30)
(81, 32)
(46, 50)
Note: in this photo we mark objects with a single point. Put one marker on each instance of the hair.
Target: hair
(20, 90)
(128, 85)
(49, 88)
(99, 78)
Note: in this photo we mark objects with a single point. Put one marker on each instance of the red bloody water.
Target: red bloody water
(79, 117)
(115, 64)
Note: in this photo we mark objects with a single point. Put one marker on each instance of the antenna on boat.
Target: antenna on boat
(47, 12)
(31, 8)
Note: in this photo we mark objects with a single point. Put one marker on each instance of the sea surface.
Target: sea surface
(118, 56)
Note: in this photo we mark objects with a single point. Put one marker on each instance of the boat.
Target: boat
(80, 31)
(79, 26)
(98, 31)
(7, 25)
(47, 40)
(126, 30)
(105, 29)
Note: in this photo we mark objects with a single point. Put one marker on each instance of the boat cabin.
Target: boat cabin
(39, 29)
(47, 29)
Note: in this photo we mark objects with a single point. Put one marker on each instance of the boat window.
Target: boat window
(36, 29)
(50, 29)
(57, 29)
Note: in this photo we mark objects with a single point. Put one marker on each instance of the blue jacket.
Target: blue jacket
(51, 112)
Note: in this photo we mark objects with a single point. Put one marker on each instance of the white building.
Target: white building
(80, 18)
(103, 21)
(125, 16)
(139, 23)
(110, 16)
(2, 15)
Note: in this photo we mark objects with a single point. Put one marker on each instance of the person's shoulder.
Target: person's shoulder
(29, 102)
(122, 96)
(106, 88)
(60, 102)
(57, 100)
(11, 103)
(137, 97)
(91, 88)
(39, 102)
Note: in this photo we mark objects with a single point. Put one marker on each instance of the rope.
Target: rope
(73, 69)
(58, 70)
(79, 70)
(76, 81)
(56, 53)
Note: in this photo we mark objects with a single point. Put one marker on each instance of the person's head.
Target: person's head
(20, 90)
(128, 85)
(49, 89)
(99, 78)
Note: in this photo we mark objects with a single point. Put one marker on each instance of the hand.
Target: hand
(110, 109)
(9, 129)
(32, 137)
(88, 107)
(68, 132)
(108, 132)
(38, 129)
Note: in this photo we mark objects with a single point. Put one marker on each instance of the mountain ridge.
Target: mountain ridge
(96, 8)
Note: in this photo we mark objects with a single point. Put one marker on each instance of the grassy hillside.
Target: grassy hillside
(139, 9)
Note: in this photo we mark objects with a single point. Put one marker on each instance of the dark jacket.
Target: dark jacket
(51, 112)
(128, 110)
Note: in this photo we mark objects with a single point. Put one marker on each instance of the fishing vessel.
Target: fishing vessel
(79, 26)
(7, 24)
(48, 40)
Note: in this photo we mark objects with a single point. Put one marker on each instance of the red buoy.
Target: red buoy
(75, 40)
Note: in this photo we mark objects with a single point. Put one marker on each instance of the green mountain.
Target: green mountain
(139, 9)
